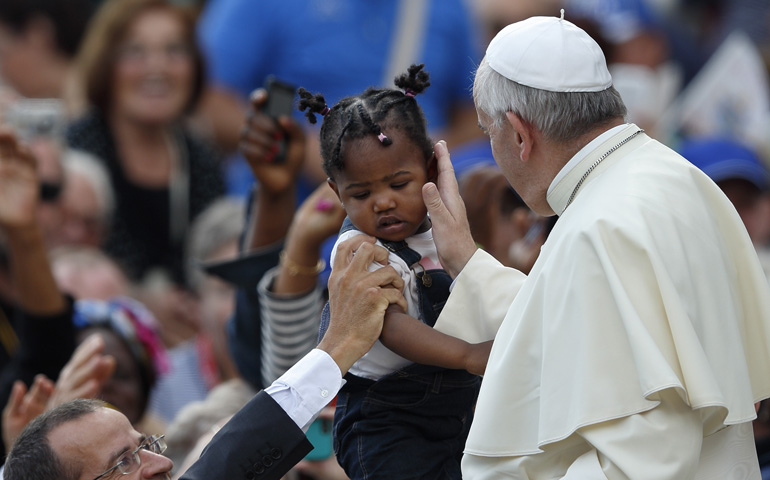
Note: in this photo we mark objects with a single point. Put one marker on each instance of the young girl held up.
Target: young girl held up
(407, 405)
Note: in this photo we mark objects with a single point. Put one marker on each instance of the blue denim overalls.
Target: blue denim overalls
(413, 423)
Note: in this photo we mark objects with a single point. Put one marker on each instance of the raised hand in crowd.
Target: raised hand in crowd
(18, 184)
(85, 374)
(19, 191)
(82, 377)
(259, 144)
(24, 405)
(319, 217)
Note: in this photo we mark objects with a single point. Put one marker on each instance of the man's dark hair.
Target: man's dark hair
(68, 17)
(370, 113)
(32, 458)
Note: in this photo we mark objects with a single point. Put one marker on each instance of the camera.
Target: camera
(34, 118)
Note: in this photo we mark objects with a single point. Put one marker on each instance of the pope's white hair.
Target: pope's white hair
(560, 116)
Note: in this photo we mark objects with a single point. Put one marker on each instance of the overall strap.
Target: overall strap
(400, 248)
(411, 257)
(347, 226)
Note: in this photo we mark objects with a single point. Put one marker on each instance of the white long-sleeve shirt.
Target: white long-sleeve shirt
(307, 387)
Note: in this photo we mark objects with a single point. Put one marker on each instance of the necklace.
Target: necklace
(596, 163)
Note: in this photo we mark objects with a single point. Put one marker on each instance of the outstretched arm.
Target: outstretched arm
(270, 422)
(274, 202)
(291, 295)
(416, 341)
(37, 290)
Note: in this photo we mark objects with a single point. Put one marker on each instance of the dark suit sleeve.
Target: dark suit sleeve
(261, 442)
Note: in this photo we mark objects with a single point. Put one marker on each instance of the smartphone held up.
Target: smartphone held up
(280, 102)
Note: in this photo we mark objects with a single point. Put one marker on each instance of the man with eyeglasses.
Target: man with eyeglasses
(85, 440)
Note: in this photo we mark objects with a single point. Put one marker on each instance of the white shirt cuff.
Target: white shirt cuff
(307, 387)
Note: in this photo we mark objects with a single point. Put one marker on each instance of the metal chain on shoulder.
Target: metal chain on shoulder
(596, 163)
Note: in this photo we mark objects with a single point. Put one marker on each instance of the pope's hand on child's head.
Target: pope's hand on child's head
(451, 231)
(259, 143)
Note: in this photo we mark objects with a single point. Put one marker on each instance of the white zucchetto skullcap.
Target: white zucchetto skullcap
(549, 53)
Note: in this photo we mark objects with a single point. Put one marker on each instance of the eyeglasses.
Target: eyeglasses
(130, 461)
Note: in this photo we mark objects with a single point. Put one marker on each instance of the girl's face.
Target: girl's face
(154, 69)
(381, 186)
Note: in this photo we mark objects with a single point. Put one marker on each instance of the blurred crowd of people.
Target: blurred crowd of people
(143, 217)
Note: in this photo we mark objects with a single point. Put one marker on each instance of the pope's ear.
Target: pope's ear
(523, 136)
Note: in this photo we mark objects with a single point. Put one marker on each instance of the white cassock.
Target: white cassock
(638, 344)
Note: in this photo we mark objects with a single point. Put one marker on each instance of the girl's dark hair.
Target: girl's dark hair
(373, 112)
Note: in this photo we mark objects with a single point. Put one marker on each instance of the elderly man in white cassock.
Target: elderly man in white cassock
(639, 343)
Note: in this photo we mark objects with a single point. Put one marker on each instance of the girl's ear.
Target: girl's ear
(333, 185)
(432, 169)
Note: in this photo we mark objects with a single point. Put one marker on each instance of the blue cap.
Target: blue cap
(723, 159)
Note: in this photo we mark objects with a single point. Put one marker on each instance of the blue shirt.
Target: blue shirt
(337, 47)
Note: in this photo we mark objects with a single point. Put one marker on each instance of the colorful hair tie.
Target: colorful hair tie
(409, 92)
(325, 110)
(382, 137)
